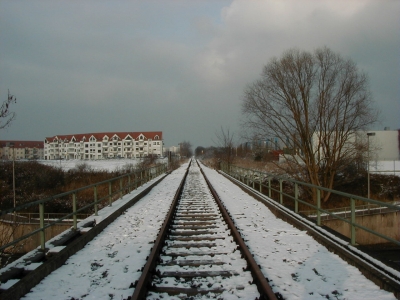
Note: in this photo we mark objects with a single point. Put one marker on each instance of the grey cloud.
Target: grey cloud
(171, 66)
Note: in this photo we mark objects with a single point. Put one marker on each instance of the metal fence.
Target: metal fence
(115, 188)
(262, 180)
(34, 218)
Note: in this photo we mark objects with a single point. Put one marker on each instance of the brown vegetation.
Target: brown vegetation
(35, 181)
(384, 188)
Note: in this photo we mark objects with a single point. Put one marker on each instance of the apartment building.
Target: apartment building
(21, 150)
(106, 145)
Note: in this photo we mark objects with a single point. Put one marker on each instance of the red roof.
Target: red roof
(23, 144)
(99, 136)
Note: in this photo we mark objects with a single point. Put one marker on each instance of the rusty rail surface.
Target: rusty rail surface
(144, 285)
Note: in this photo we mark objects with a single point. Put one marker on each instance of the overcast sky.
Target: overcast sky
(175, 66)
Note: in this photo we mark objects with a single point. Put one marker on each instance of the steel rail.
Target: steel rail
(27, 280)
(143, 285)
(144, 281)
(368, 266)
(263, 286)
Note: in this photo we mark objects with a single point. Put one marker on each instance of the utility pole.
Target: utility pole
(368, 135)
(12, 145)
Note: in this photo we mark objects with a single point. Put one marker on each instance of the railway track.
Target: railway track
(199, 253)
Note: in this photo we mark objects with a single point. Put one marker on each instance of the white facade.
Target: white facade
(21, 150)
(173, 149)
(385, 144)
(381, 145)
(104, 145)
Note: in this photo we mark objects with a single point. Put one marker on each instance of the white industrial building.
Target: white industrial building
(376, 145)
(384, 144)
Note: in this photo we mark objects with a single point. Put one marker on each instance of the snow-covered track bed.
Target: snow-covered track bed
(197, 254)
(296, 256)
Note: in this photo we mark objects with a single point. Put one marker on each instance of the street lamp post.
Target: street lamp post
(11, 145)
(59, 151)
(368, 135)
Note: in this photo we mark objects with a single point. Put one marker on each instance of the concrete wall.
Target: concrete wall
(386, 223)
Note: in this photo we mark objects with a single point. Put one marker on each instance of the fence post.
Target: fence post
(296, 197)
(109, 194)
(353, 220)
(42, 234)
(280, 191)
(95, 200)
(260, 183)
(74, 210)
(129, 183)
(120, 188)
(269, 187)
(318, 207)
(253, 178)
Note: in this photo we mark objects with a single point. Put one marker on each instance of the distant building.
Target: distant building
(104, 145)
(384, 144)
(175, 150)
(21, 150)
(378, 145)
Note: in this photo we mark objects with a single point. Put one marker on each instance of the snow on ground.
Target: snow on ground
(97, 165)
(224, 250)
(297, 266)
(107, 266)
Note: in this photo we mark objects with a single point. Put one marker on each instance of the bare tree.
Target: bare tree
(7, 227)
(199, 151)
(225, 145)
(7, 116)
(315, 103)
(186, 149)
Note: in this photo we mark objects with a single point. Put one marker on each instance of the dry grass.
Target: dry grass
(384, 188)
